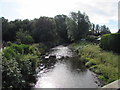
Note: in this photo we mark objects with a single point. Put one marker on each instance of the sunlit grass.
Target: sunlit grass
(105, 63)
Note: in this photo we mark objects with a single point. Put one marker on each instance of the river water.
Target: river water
(61, 68)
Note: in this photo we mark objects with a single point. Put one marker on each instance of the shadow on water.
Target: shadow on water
(61, 68)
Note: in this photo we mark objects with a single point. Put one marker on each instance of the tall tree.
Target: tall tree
(104, 30)
(97, 29)
(78, 26)
(93, 28)
(8, 30)
(72, 29)
(61, 27)
(45, 30)
(5, 27)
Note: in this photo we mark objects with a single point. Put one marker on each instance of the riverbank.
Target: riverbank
(61, 68)
(104, 63)
(19, 63)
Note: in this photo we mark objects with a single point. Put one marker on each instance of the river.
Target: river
(61, 68)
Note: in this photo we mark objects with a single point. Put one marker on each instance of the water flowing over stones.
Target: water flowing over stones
(61, 68)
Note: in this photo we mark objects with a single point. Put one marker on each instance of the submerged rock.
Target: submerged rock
(52, 57)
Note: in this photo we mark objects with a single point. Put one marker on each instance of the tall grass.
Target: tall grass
(101, 62)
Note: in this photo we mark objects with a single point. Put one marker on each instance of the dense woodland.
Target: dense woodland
(27, 40)
(51, 31)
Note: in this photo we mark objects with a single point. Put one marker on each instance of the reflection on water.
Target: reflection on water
(66, 72)
(60, 51)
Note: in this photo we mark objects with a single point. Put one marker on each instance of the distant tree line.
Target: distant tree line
(51, 31)
(99, 30)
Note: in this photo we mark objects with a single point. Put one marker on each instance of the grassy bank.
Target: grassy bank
(104, 63)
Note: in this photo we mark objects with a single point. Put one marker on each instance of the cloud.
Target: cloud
(99, 11)
(10, 9)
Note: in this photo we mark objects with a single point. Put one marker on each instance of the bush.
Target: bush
(111, 42)
(92, 38)
(19, 63)
(41, 47)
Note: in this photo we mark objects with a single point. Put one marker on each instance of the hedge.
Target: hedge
(111, 42)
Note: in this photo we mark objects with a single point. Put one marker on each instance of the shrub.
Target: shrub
(111, 42)
(92, 38)
(90, 62)
(41, 47)
(19, 63)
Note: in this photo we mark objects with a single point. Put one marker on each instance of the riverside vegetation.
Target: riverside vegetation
(104, 63)
(19, 64)
(25, 41)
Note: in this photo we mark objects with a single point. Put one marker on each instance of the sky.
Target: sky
(99, 11)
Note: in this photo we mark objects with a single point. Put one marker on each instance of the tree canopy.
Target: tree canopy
(78, 26)
(52, 31)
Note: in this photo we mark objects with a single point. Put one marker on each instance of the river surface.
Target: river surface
(61, 68)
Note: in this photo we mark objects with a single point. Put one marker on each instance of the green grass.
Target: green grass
(104, 63)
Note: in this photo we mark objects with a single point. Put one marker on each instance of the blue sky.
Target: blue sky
(99, 11)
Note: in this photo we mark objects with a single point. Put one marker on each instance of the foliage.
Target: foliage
(8, 32)
(102, 62)
(91, 38)
(111, 42)
(72, 29)
(98, 30)
(45, 31)
(19, 63)
(61, 28)
(104, 30)
(24, 37)
(51, 31)
(78, 26)
(41, 47)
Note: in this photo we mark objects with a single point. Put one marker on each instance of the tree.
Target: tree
(10, 28)
(45, 30)
(72, 29)
(97, 30)
(24, 37)
(78, 26)
(8, 32)
(93, 28)
(61, 27)
(104, 30)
